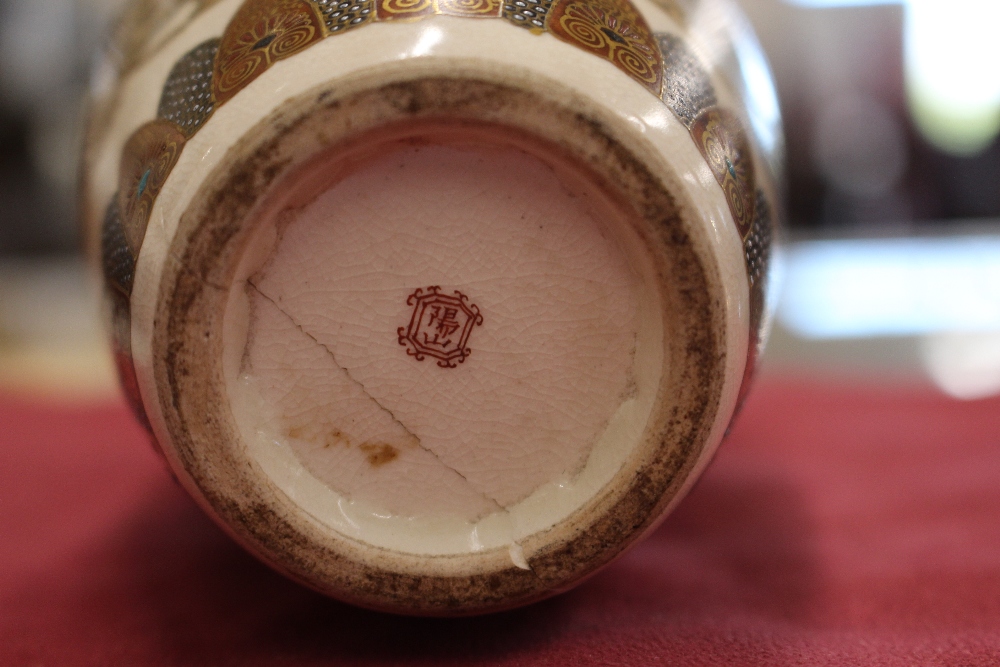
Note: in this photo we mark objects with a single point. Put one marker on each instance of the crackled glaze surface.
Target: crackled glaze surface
(555, 308)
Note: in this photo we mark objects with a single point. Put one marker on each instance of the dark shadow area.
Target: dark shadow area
(748, 531)
(212, 603)
(167, 586)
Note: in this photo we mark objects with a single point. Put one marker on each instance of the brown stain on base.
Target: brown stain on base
(379, 453)
(336, 437)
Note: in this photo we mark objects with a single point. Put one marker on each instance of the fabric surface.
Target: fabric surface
(839, 525)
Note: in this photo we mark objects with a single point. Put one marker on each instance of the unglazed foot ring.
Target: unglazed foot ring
(450, 361)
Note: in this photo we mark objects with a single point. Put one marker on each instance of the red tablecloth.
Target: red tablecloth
(839, 525)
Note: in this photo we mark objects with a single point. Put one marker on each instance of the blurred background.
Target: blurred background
(891, 270)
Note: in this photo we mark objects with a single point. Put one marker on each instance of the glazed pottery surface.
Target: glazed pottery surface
(436, 306)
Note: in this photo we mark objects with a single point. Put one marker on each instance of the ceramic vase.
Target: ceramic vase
(436, 306)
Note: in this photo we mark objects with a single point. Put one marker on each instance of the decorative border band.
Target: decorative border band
(263, 32)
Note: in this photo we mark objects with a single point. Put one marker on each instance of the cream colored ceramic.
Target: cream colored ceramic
(435, 305)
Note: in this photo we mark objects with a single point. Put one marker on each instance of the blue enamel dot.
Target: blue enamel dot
(142, 182)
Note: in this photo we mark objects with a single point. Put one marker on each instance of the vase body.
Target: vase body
(436, 306)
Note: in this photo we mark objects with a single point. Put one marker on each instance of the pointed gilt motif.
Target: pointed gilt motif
(614, 30)
(261, 33)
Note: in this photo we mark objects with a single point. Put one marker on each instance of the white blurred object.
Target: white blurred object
(943, 292)
(952, 77)
(892, 287)
(964, 365)
(952, 81)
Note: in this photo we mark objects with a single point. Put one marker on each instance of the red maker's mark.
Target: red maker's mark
(439, 326)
